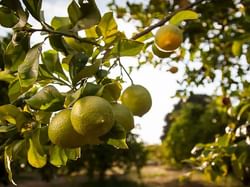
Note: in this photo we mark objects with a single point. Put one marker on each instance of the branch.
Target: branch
(63, 34)
(164, 20)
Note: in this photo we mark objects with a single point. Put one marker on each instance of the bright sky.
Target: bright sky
(161, 84)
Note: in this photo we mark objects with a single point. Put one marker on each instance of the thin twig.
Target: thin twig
(63, 34)
(164, 20)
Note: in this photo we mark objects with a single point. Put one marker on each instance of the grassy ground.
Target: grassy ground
(152, 176)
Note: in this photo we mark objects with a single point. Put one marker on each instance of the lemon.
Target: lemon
(61, 132)
(137, 98)
(92, 115)
(123, 116)
(168, 37)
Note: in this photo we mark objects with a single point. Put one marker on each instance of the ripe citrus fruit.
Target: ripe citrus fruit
(92, 115)
(123, 116)
(160, 53)
(61, 132)
(137, 99)
(168, 37)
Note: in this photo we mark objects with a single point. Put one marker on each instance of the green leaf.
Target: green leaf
(16, 51)
(61, 23)
(243, 109)
(79, 46)
(73, 154)
(34, 7)
(224, 140)
(7, 17)
(13, 115)
(118, 143)
(183, 15)
(110, 91)
(51, 60)
(43, 117)
(7, 162)
(35, 159)
(48, 99)
(74, 12)
(87, 71)
(88, 89)
(76, 64)
(7, 128)
(58, 157)
(84, 15)
(108, 28)
(237, 167)
(5, 76)
(127, 47)
(28, 70)
(237, 48)
(15, 90)
(57, 42)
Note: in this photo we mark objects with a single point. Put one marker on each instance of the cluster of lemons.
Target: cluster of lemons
(92, 117)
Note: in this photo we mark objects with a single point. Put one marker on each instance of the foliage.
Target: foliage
(198, 119)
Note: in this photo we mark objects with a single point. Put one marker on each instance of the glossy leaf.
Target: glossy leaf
(13, 115)
(35, 159)
(84, 15)
(15, 90)
(73, 154)
(127, 48)
(51, 60)
(57, 42)
(108, 27)
(61, 23)
(7, 17)
(28, 70)
(47, 99)
(182, 16)
(88, 89)
(88, 71)
(58, 156)
(34, 7)
(7, 162)
(5, 76)
(79, 46)
(16, 51)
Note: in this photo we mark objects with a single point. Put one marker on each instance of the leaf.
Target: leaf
(35, 159)
(28, 70)
(73, 154)
(47, 99)
(16, 51)
(7, 162)
(15, 90)
(43, 117)
(5, 76)
(34, 7)
(243, 109)
(84, 15)
(7, 17)
(51, 60)
(108, 28)
(237, 167)
(237, 48)
(57, 42)
(79, 46)
(127, 47)
(74, 12)
(76, 64)
(88, 89)
(13, 115)
(88, 71)
(110, 91)
(61, 23)
(118, 143)
(223, 141)
(58, 156)
(183, 15)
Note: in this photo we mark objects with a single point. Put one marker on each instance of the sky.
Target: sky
(160, 83)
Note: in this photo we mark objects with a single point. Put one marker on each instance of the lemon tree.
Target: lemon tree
(37, 116)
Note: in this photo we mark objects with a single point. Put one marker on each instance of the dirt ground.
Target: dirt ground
(151, 176)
